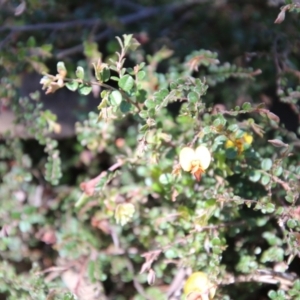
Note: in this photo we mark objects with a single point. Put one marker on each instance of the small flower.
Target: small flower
(124, 213)
(198, 286)
(45, 81)
(195, 161)
(240, 143)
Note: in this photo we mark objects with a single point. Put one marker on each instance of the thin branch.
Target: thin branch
(53, 26)
(278, 180)
(79, 48)
(265, 276)
(126, 20)
(133, 18)
(123, 93)
(128, 4)
(89, 186)
(5, 40)
(136, 283)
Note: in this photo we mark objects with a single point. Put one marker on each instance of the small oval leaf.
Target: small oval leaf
(266, 164)
(126, 83)
(84, 89)
(79, 73)
(72, 85)
(115, 98)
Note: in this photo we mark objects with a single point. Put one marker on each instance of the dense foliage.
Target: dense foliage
(189, 163)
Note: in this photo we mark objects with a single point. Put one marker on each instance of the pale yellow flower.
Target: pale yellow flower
(239, 143)
(198, 286)
(195, 161)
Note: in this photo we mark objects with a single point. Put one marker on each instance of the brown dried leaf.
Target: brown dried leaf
(150, 257)
(151, 277)
(20, 8)
(278, 143)
(280, 18)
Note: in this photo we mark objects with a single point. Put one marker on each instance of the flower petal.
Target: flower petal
(248, 138)
(229, 144)
(204, 156)
(186, 156)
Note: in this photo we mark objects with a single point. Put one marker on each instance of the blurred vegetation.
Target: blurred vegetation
(120, 211)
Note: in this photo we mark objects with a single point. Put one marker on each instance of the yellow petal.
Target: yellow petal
(186, 156)
(204, 156)
(229, 144)
(198, 282)
(248, 138)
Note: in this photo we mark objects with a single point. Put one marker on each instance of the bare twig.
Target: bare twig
(136, 283)
(278, 180)
(177, 282)
(89, 186)
(285, 280)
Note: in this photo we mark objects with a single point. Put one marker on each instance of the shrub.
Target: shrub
(173, 182)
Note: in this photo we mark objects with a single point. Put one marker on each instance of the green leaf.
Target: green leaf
(289, 197)
(266, 164)
(31, 42)
(150, 103)
(217, 122)
(233, 127)
(141, 96)
(278, 171)
(82, 200)
(127, 39)
(254, 176)
(105, 74)
(291, 223)
(265, 179)
(193, 97)
(24, 226)
(206, 129)
(272, 294)
(68, 296)
(216, 241)
(144, 128)
(171, 254)
(80, 73)
(126, 83)
(270, 208)
(231, 153)
(141, 75)
(61, 67)
(115, 78)
(72, 85)
(296, 285)
(84, 89)
(220, 139)
(161, 95)
(143, 114)
(273, 254)
(165, 179)
(115, 98)
(125, 107)
(246, 106)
